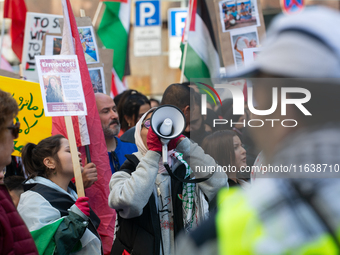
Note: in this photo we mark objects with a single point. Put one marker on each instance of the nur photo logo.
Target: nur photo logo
(243, 100)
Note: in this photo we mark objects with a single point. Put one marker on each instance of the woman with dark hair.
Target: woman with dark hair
(131, 107)
(226, 148)
(50, 207)
(14, 235)
(53, 92)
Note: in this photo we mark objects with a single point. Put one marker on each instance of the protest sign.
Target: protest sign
(250, 54)
(97, 79)
(34, 125)
(242, 39)
(60, 84)
(226, 34)
(37, 25)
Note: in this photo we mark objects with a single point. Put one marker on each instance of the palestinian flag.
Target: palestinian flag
(99, 192)
(16, 10)
(202, 60)
(114, 33)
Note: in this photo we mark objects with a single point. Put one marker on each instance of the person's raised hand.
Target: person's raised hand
(83, 205)
(174, 142)
(153, 142)
(89, 174)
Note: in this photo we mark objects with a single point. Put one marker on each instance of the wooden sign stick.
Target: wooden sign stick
(75, 158)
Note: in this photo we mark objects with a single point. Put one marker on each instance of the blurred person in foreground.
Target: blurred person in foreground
(14, 235)
(291, 212)
(152, 206)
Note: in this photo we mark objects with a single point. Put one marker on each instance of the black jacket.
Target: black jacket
(142, 235)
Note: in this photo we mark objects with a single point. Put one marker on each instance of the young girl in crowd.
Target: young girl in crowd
(131, 108)
(51, 209)
(226, 148)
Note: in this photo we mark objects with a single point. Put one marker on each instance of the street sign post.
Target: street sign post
(176, 24)
(147, 32)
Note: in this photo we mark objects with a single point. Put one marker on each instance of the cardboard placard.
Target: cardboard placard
(106, 58)
(45, 49)
(105, 55)
(224, 38)
(34, 125)
(37, 25)
(9, 74)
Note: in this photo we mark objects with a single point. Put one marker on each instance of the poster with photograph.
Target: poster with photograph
(250, 54)
(236, 14)
(97, 79)
(52, 45)
(88, 41)
(60, 84)
(243, 39)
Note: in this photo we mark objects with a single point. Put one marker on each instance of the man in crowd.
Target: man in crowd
(294, 211)
(110, 123)
(188, 101)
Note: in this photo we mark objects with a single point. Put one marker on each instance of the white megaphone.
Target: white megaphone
(168, 122)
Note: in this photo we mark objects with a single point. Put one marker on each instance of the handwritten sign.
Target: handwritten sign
(37, 25)
(34, 126)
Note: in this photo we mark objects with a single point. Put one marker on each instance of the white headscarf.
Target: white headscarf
(140, 145)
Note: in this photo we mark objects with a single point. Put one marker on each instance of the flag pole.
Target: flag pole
(74, 154)
(96, 15)
(82, 119)
(186, 32)
(2, 32)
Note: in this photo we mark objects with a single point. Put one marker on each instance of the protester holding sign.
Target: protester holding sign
(51, 208)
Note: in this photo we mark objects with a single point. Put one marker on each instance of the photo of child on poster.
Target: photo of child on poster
(56, 45)
(97, 79)
(52, 44)
(243, 41)
(89, 44)
(238, 14)
(53, 90)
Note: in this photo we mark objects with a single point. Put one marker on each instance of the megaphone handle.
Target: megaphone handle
(165, 150)
(165, 153)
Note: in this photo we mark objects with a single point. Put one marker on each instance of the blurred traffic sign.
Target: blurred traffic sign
(176, 24)
(292, 6)
(147, 31)
(148, 13)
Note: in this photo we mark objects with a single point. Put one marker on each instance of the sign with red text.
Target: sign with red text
(60, 84)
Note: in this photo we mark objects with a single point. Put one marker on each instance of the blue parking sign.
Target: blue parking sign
(176, 21)
(148, 13)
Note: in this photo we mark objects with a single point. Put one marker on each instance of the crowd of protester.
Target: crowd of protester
(219, 211)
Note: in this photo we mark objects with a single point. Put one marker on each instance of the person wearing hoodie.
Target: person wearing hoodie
(152, 206)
